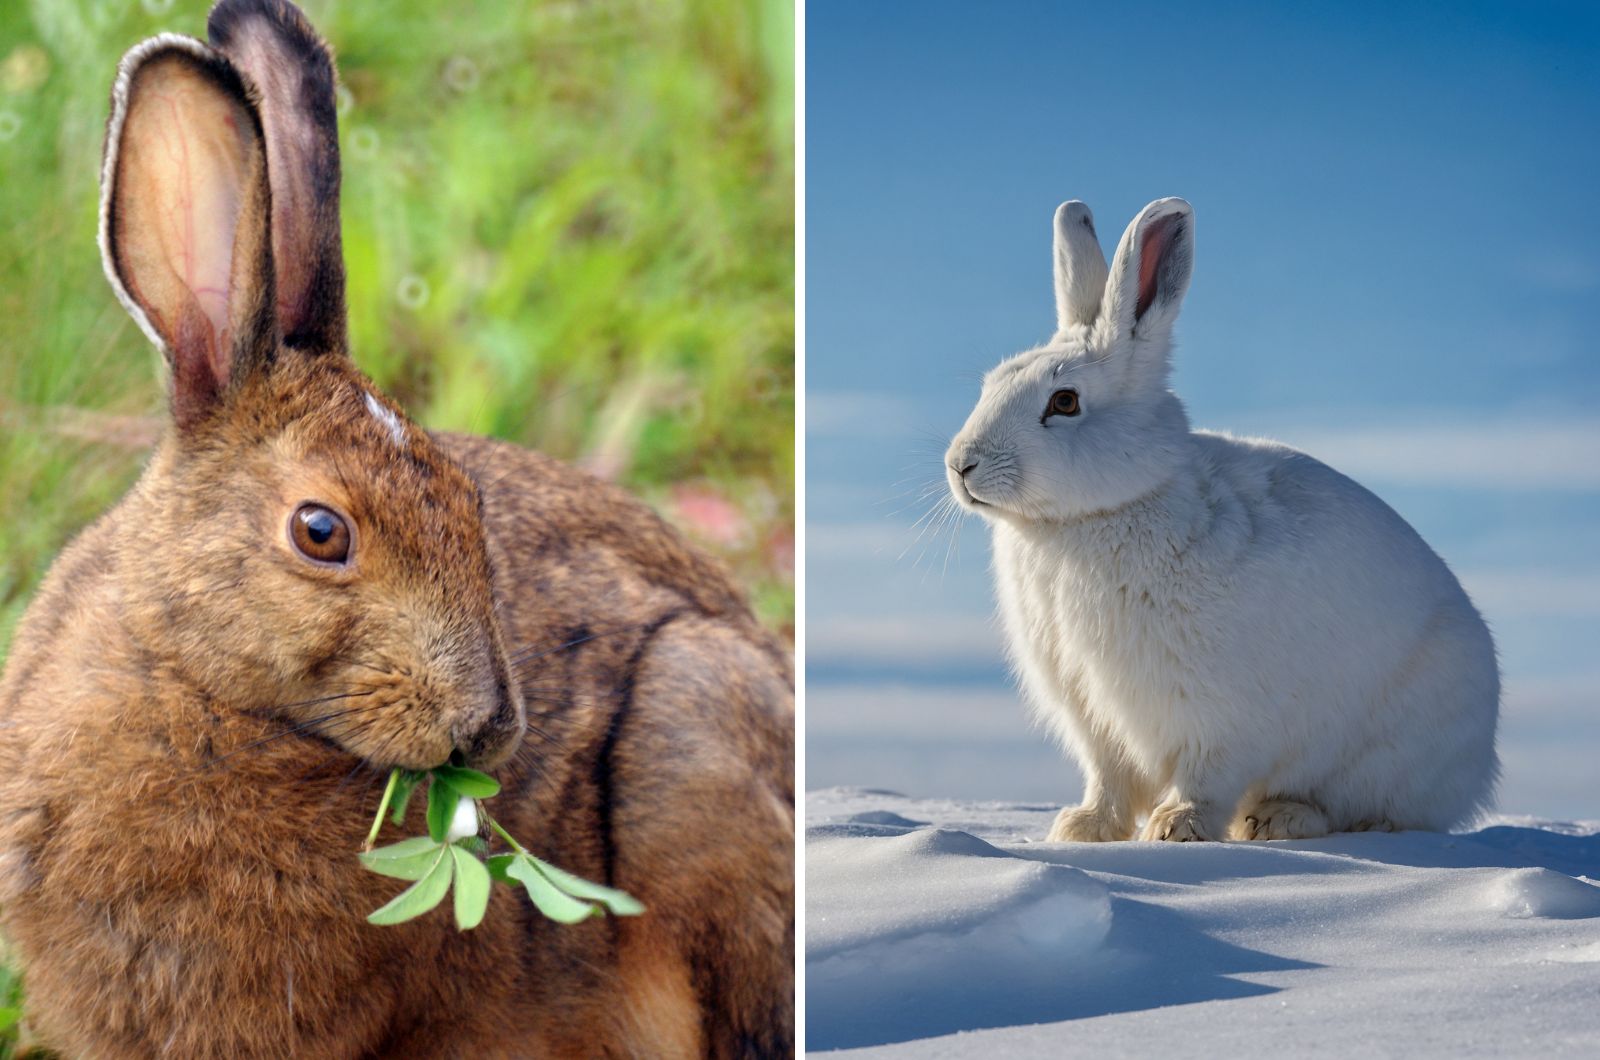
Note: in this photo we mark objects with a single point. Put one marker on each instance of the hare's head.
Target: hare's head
(297, 548)
(1085, 423)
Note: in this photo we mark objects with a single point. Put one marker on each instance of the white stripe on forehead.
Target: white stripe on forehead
(397, 428)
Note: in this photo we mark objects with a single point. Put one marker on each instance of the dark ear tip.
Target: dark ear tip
(1171, 206)
(229, 16)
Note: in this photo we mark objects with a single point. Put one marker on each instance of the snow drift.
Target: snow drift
(937, 928)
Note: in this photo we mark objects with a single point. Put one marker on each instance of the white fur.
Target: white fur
(1214, 626)
(1080, 267)
(391, 422)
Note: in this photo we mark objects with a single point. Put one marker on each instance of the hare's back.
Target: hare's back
(1318, 531)
(549, 520)
(580, 563)
(661, 735)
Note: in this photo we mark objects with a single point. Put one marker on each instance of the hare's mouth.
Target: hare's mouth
(383, 721)
(964, 494)
(420, 734)
(386, 742)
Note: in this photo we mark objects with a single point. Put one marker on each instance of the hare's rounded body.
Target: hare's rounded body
(305, 590)
(175, 891)
(1219, 613)
(1230, 637)
(177, 879)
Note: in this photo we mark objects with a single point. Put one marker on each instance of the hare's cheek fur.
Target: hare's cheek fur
(1117, 450)
(417, 692)
(395, 656)
(1231, 638)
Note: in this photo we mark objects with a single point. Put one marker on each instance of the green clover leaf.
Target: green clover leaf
(619, 903)
(468, 782)
(409, 859)
(472, 889)
(550, 899)
(435, 864)
(442, 799)
(421, 896)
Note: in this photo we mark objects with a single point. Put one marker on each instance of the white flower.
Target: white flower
(465, 822)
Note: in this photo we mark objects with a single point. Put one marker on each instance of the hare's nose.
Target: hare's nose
(487, 741)
(963, 472)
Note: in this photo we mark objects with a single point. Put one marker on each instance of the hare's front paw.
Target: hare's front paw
(1086, 824)
(1281, 819)
(1179, 822)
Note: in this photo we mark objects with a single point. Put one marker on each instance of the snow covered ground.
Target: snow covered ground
(939, 928)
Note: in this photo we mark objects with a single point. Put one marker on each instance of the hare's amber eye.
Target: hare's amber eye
(1062, 403)
(320, 534)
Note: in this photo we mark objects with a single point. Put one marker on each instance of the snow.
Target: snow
(943, 928)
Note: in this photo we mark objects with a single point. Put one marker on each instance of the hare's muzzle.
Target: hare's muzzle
(962, 460)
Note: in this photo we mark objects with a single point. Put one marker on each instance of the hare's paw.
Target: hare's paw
(1373, 824)
(1281, 819)
(1179, 822)
(1086, 824)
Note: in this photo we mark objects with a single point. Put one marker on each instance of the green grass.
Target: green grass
(569, 224)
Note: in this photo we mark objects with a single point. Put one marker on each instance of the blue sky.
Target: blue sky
(1398, 269)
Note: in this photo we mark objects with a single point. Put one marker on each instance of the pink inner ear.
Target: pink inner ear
(1153, 246)
(184, 162)
(200, 230)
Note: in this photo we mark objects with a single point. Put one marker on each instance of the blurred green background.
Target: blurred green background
(569, 224)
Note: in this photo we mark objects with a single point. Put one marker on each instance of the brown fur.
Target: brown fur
(194, 721)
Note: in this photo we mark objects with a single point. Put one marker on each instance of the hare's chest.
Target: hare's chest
(1098, 637)
(1048, 607)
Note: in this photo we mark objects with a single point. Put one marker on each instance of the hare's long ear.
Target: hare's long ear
(1080, 266)
(292, 68)
(1149, 276)
(184, 217)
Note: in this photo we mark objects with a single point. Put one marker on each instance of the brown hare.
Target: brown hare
(305, 590)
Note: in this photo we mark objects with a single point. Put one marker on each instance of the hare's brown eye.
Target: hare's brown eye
(1062, 403)
(320, 534)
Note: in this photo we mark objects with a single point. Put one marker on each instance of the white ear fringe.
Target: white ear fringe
(130, 64)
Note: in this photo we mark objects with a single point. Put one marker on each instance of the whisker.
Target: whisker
(529, 655)
(953, 548)
(931, 522)
(387, 672)
(549, 737)
(272, 710)
(322, 807)
(299, 727)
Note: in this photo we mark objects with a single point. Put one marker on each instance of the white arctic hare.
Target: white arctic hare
(1229, 635)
